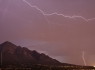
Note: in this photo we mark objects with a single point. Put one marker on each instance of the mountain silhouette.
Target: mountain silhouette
(12, 54)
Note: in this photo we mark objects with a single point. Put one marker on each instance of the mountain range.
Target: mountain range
(12, 54)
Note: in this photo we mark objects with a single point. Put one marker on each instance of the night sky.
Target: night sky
(62, 29)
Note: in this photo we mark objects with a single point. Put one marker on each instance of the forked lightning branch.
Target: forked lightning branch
(58, 13)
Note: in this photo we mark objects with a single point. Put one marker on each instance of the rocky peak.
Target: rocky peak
(8, 46)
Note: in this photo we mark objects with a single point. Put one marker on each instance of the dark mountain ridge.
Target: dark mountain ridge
(17, 56)
(12, 54)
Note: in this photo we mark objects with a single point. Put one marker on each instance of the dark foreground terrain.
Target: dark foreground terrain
(44, 67)
(14, 57)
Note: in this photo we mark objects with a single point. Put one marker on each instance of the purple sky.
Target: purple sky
(64, 35)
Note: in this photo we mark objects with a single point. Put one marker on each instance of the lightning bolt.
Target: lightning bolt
(45, 15)
(6, 10)
(83, 58)
(4, 13)
(55, 13)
